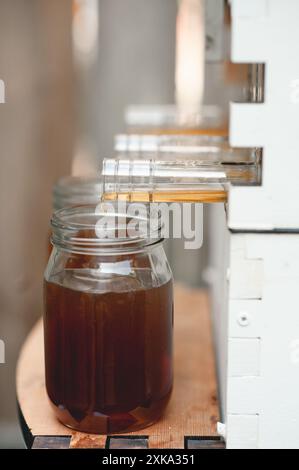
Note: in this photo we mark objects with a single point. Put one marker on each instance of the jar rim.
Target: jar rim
(104, 229)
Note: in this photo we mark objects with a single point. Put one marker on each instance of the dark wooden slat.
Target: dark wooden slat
(197, 443)
(27, 436)
(51, 442)
(139, 442)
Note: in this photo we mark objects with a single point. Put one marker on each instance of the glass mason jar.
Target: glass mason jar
(108, 323)
(76, 190)
(71, 191)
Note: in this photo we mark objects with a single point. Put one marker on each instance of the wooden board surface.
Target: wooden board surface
(193, 409)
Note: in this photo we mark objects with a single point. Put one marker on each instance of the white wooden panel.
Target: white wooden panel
(273, 395)
(243, 395)
(267, 32)
(245, 275)
(242, 431)
(218, 261)
(247, 125)
(249, 9)
(244, 357)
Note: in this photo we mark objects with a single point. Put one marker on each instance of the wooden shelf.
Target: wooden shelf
(193, 409)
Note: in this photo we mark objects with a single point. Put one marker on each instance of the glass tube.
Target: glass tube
(171, 120)
(256, 83)
(212, 149)
(144, 144)
(201, 179)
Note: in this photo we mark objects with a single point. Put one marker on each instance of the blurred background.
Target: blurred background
(71, 68)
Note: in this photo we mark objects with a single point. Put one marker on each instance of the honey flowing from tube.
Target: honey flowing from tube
(168, 196)
(171, 180)
(212, 132)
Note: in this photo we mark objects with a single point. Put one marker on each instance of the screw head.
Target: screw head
(244, 319)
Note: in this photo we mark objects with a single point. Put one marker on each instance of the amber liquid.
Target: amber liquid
(108, 356)
(193, 131)
(204, 196)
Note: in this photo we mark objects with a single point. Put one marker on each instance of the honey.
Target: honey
(196, 196)
(108, 325)
(212, 132)
(108, 366)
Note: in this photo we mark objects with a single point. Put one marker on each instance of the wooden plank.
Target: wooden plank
(81, 440)
(193, 408)
(31, 392)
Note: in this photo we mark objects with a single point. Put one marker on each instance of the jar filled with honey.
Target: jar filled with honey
(108, 321)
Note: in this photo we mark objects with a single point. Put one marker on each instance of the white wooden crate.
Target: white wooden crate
(256, 326)
(254, 255)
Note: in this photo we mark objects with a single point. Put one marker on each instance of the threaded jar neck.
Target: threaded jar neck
(104, 229)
